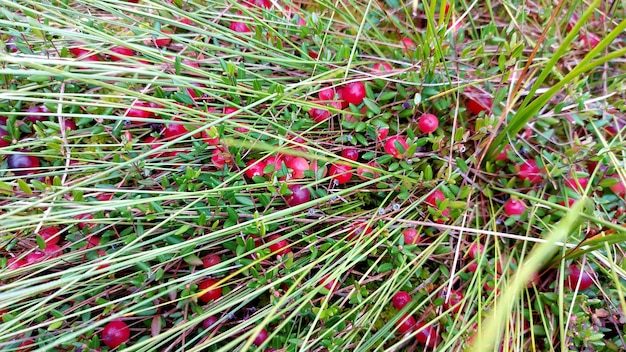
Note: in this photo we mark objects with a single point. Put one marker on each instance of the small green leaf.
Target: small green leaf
(24, 186)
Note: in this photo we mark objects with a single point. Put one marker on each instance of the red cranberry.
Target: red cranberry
(350, 153)
(328, 283)
(382, 66)
(120, 52)
(341, 173)
(579, 183)
(619, 188)
(411, 236)
(209, 323)
(432, 198)
(514, 207)
(354, 92)
(299, 195)
(298, 165)
(174, 130)
(50, 235)
(319, 115)
(4, 142)
(426, 335)
(279, 248)
(478, 102)
(452, 299)
(37, 113)
(213, 293)
(428, 123)
(529, 170)
(255, 168)
(405, 324)
(366, 174)
(115, 333)
(359, 229)
(476, 250)
(326, 94)
(400, 299)
(239, 27)
(211, 260)
(574, 274)
(408, 44)
(392, 149)
(15, 263)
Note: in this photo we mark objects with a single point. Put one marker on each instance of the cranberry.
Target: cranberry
(115, 333)
(400, 299)
(426, 335)
(577, 183)
(15, 263)
(476, 250)
(211, 260)
(257, 3)
(382, 66)
(432, 198)
(452, 299)
(529, 170)
(478, 102)
(405, 324)
(22, 164)
(589, 40)
(353, 93)
(255, 168)
(574, 274)
(50, 235)
(163, 41)
(239, 27)
(326, 94)
(275, 160)
(298, 165)
(428, 123)
(392, 149)
(4, 142)
(138, 110)
(619, 188)
(359, 229)
(213, 293)
(503, 155)
(514, 207)
(341, 173)
(279, 248)
(319, 115)
(411, 236)
(382, 133)
(37, 113)
(408, 44)
(350, 153)
(120, 52)
(299, 195)
(220, 157)
(209, 323)
(328, 283)
(366, 174)
(260, 337)
(174, 130)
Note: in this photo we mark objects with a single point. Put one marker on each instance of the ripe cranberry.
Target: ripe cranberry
(400, 299)
(298, 165)
(299, 195)
(83, 224)
(37, 113)
(589, 40)
(279, 248)
(478, 102)
(408, 44)
(220, 157)
(211, 260)
(120, 52)
(382, 66)
(239, 27)
(503, 155)
(319, 115)
(34, 257)
(4, 142)
(577, 183)
(426, 335)
(328, 283)
(392, 149)
(209, 323)
(452, 299)
(115, 333)
(192, 92)
(316, 165)
(428, 123)
(366, 174)
(350, 153)
(341, 173)
(326, 94)
(405, 324)
(70, 125)
(92, 241)
(514, 207)
(353, 93)
(619, 188)
(275, 160)
(574, 274)
(22, 164)
(174, 130)
(137, 110)
(432, 198)
(257, 3)
(163, 41)
(260, 337)
(476, 250)
(359, 229)
(382, 133)
(529, 170)
(26, 346)
(411, 236)
(255, 168)
(50, 235)
(213, 293)
(15, 263)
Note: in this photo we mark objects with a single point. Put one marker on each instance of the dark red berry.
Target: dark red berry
(299, 195)
(239, 27)
(319, 115)
(382, 66)
(211, 260)
(476, 250)
(618, 188)
(255, 168)
(341, 173)
(574, 275)
(350, 153)
(209, 323)
(359, 229)
(405, 324)
(326, 94)
(120, 52)
(328, 283)
(365, 173)
(4, 142)
(400, 299)
(514, 207)
(392, 149)
(174, 130)
(432, 198)
(353, 93)
(528, 170)
(428, 123)
(579, 183)
(411, 236)
(281, 247)
(452, 299)
(426, 335)
(298, 166)
(37, 113)
(115, 333)
(50, 235)
(260, 337)
(214, 292)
